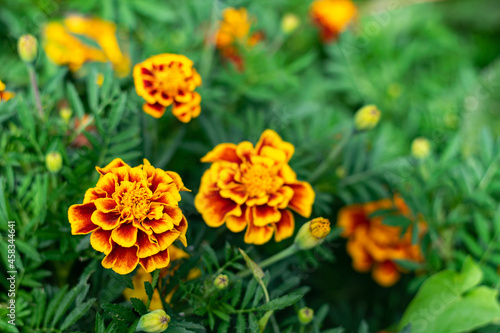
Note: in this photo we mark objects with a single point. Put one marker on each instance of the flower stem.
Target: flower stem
(331, 157)
(34, 87)
(156, 276)
(271, 260)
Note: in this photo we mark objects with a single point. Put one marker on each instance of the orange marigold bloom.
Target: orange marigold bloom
(332, 16)
(142, 276)
(252, 187)
(5, 95)
(167, 79)
(133, 215)
(374, 245)
(65, 48)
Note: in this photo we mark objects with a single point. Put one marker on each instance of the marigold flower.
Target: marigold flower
(5, 95)
(332, 16)
(167, 79)
(376, 246)
(234, 30)
(133, 215)
(142, 276)
(252, 187)
(64, 47)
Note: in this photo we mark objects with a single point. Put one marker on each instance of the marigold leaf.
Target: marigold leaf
(99, 324)
(77, 313)
(139, 305)
(119, 311)
(53, 304)
(76, 103)
(284, 301)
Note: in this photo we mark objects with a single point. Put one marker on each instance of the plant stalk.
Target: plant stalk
(36, 90)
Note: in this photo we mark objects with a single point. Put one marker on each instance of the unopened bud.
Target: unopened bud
(305, 315)
(221, 281)
(27, 46)
(153, 322)
(66, 114)
(289, 23)
(420, 148)
(99, 79)
(312, 233)
(367, 118)
(53, 161)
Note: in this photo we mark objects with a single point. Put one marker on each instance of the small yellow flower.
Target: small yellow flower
(312, 233)
(367, 118)
(289, 23)
(221, 281)
(154, 322)
(65, 113)
(305, 315)
(27, 46)
(53, 161)
(420, 148)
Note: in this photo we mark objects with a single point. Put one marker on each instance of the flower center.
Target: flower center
(259, 181)
(137, 201)
(170, 80)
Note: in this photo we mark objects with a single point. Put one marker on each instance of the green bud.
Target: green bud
(53, 161)
(367, 118)
(221, 281)
(420, 148)
(312, 233)
(27, 47)
(305, 315)
(153, 322)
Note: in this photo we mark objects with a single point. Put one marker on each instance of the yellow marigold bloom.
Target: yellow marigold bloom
(253, 187)
(374, 245)
(167, 79)
(332, 16)
(420, 148)
(142, 276)
(133, 215)
(65, 48)
(5, 95)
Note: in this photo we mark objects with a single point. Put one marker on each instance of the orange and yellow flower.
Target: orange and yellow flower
(376, 246)
(332, 16)
(168, 79)
(65, 48)
(133, 216)
(142, 276)
(253, 187)
(5, 95)
(234, 31)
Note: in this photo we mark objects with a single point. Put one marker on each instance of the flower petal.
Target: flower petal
(155, 110)
(116, 163)
(303, 198)
(238, 223)
(386, 274)
(100, 240)
(107, 221)
(105, 205)
(285, 226)
(166, 238)
(272, 139)
(80, 218)
(258, 235)
(350, 217)
(215, 208)
(159, 260)
(107, 183)
(122, 260)
(264, 215)
(222, 152)
(147, 245)
(125, 235)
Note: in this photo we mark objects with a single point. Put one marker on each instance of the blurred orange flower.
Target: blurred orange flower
(133, 215)
(65, 48)
(332, 16)
(5, 95)
(167, 79)
(234, 30)
(374, 245)
(252, 187)
(142, 276)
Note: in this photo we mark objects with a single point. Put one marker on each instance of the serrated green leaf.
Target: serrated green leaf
(77, 313)
(74, 99)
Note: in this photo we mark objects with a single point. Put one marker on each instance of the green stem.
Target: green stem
(36, 91)
(271, 260)
(331, 157)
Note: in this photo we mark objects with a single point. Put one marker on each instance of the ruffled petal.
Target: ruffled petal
(107, 183)
(80, 218)
(285, 226)
(159, 260)
(125, 235)
(155, 110)
(107, 221)
(105, 205)
(386, 274)
(122, 260)
(303, 198)
(238, 223)
(166, 238)
(264, 215)
(222, 152)
(258, 235)
(271, 139)
(215, 208)
(148, 245)
(350, 217)
(116, 163)
(100, 240)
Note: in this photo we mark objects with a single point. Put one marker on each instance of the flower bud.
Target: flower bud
(289, 23)
(221, 281)
(367, 118)
(312, 233)
(340, 172)
(53, 161)
(153, 322)
(66, 114)
(305, 315)
(420, 148)
(99, 79)
(27, 47)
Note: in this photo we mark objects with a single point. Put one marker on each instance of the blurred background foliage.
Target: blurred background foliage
(431, 68)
